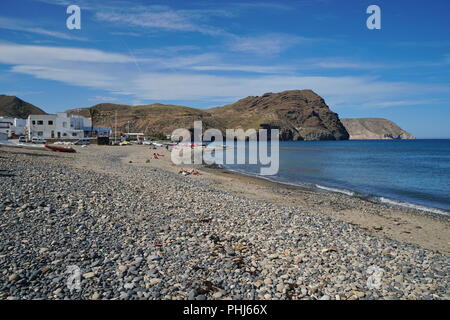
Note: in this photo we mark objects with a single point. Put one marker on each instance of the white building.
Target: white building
(12, 126)
(56, 126)
(80, 123)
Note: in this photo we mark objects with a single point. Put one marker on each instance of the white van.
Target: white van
(82, 142)
(38, 140)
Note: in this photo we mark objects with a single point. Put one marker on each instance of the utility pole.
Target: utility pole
(115, 129)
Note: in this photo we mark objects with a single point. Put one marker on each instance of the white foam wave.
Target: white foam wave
(344, 191)
(412, 206)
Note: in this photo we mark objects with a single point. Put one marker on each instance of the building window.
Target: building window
(40, 133)
(64, 124)
(50, 122)
(40, 122)
(74, 134)
(64, 134)
(34, 122)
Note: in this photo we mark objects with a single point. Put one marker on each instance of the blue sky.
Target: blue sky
(208, 53)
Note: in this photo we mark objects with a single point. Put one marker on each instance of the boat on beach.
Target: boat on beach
(60, 149)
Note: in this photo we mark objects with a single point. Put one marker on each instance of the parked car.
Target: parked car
(82, 142)
(147, 141)
(22, 139)
(38, 140)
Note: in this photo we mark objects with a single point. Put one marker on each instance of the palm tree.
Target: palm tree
(93, 114)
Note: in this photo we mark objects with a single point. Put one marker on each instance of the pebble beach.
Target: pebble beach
(136, 229)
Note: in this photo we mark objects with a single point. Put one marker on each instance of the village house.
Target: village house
(63, 126)
(12, 126)
(56, 126)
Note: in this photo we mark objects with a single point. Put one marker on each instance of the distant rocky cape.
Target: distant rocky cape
(298, 114)
(374, 128)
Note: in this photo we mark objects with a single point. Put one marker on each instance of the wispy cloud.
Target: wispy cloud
(103, 98)
(400, 103)
(243, 68)
(425, 44)
(22, 93)
(262, 5)
(268, 44)
(163, 18)
(342, 64)
(186, 77)
(152, 17)
(48, 55)
(24, 26)
(72, 76)
(126, 34)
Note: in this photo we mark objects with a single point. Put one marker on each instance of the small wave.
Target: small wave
(412, 206)
(347, 192)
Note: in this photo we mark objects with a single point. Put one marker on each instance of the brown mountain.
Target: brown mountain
(13, 107)
(374, 128)
(150, 119)
(299, 114)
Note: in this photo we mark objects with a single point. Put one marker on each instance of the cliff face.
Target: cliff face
(374, 128)
(298, 114)
(13, 107)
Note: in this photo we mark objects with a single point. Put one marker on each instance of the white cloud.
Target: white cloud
(338, 91)
(77, 77)
(346, 91)
(181, 77)
(126, 34)
(39, 55)
(103, 98)
(342, 64)
(163, 18)
(268, 44)
(24, 26)
(243, 68)
(263, 5)
(400, 103)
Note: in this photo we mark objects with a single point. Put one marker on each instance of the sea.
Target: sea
(408, 173)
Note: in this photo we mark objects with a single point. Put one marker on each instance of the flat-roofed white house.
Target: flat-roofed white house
(12, 126)
(5, 127)
(56, 126)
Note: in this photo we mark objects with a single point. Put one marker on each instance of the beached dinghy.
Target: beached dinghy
(60, 149)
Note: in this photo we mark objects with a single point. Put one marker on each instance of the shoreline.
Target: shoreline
(444, 216)
(431, 212)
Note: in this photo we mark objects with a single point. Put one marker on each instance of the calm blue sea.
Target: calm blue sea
(414, 173)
